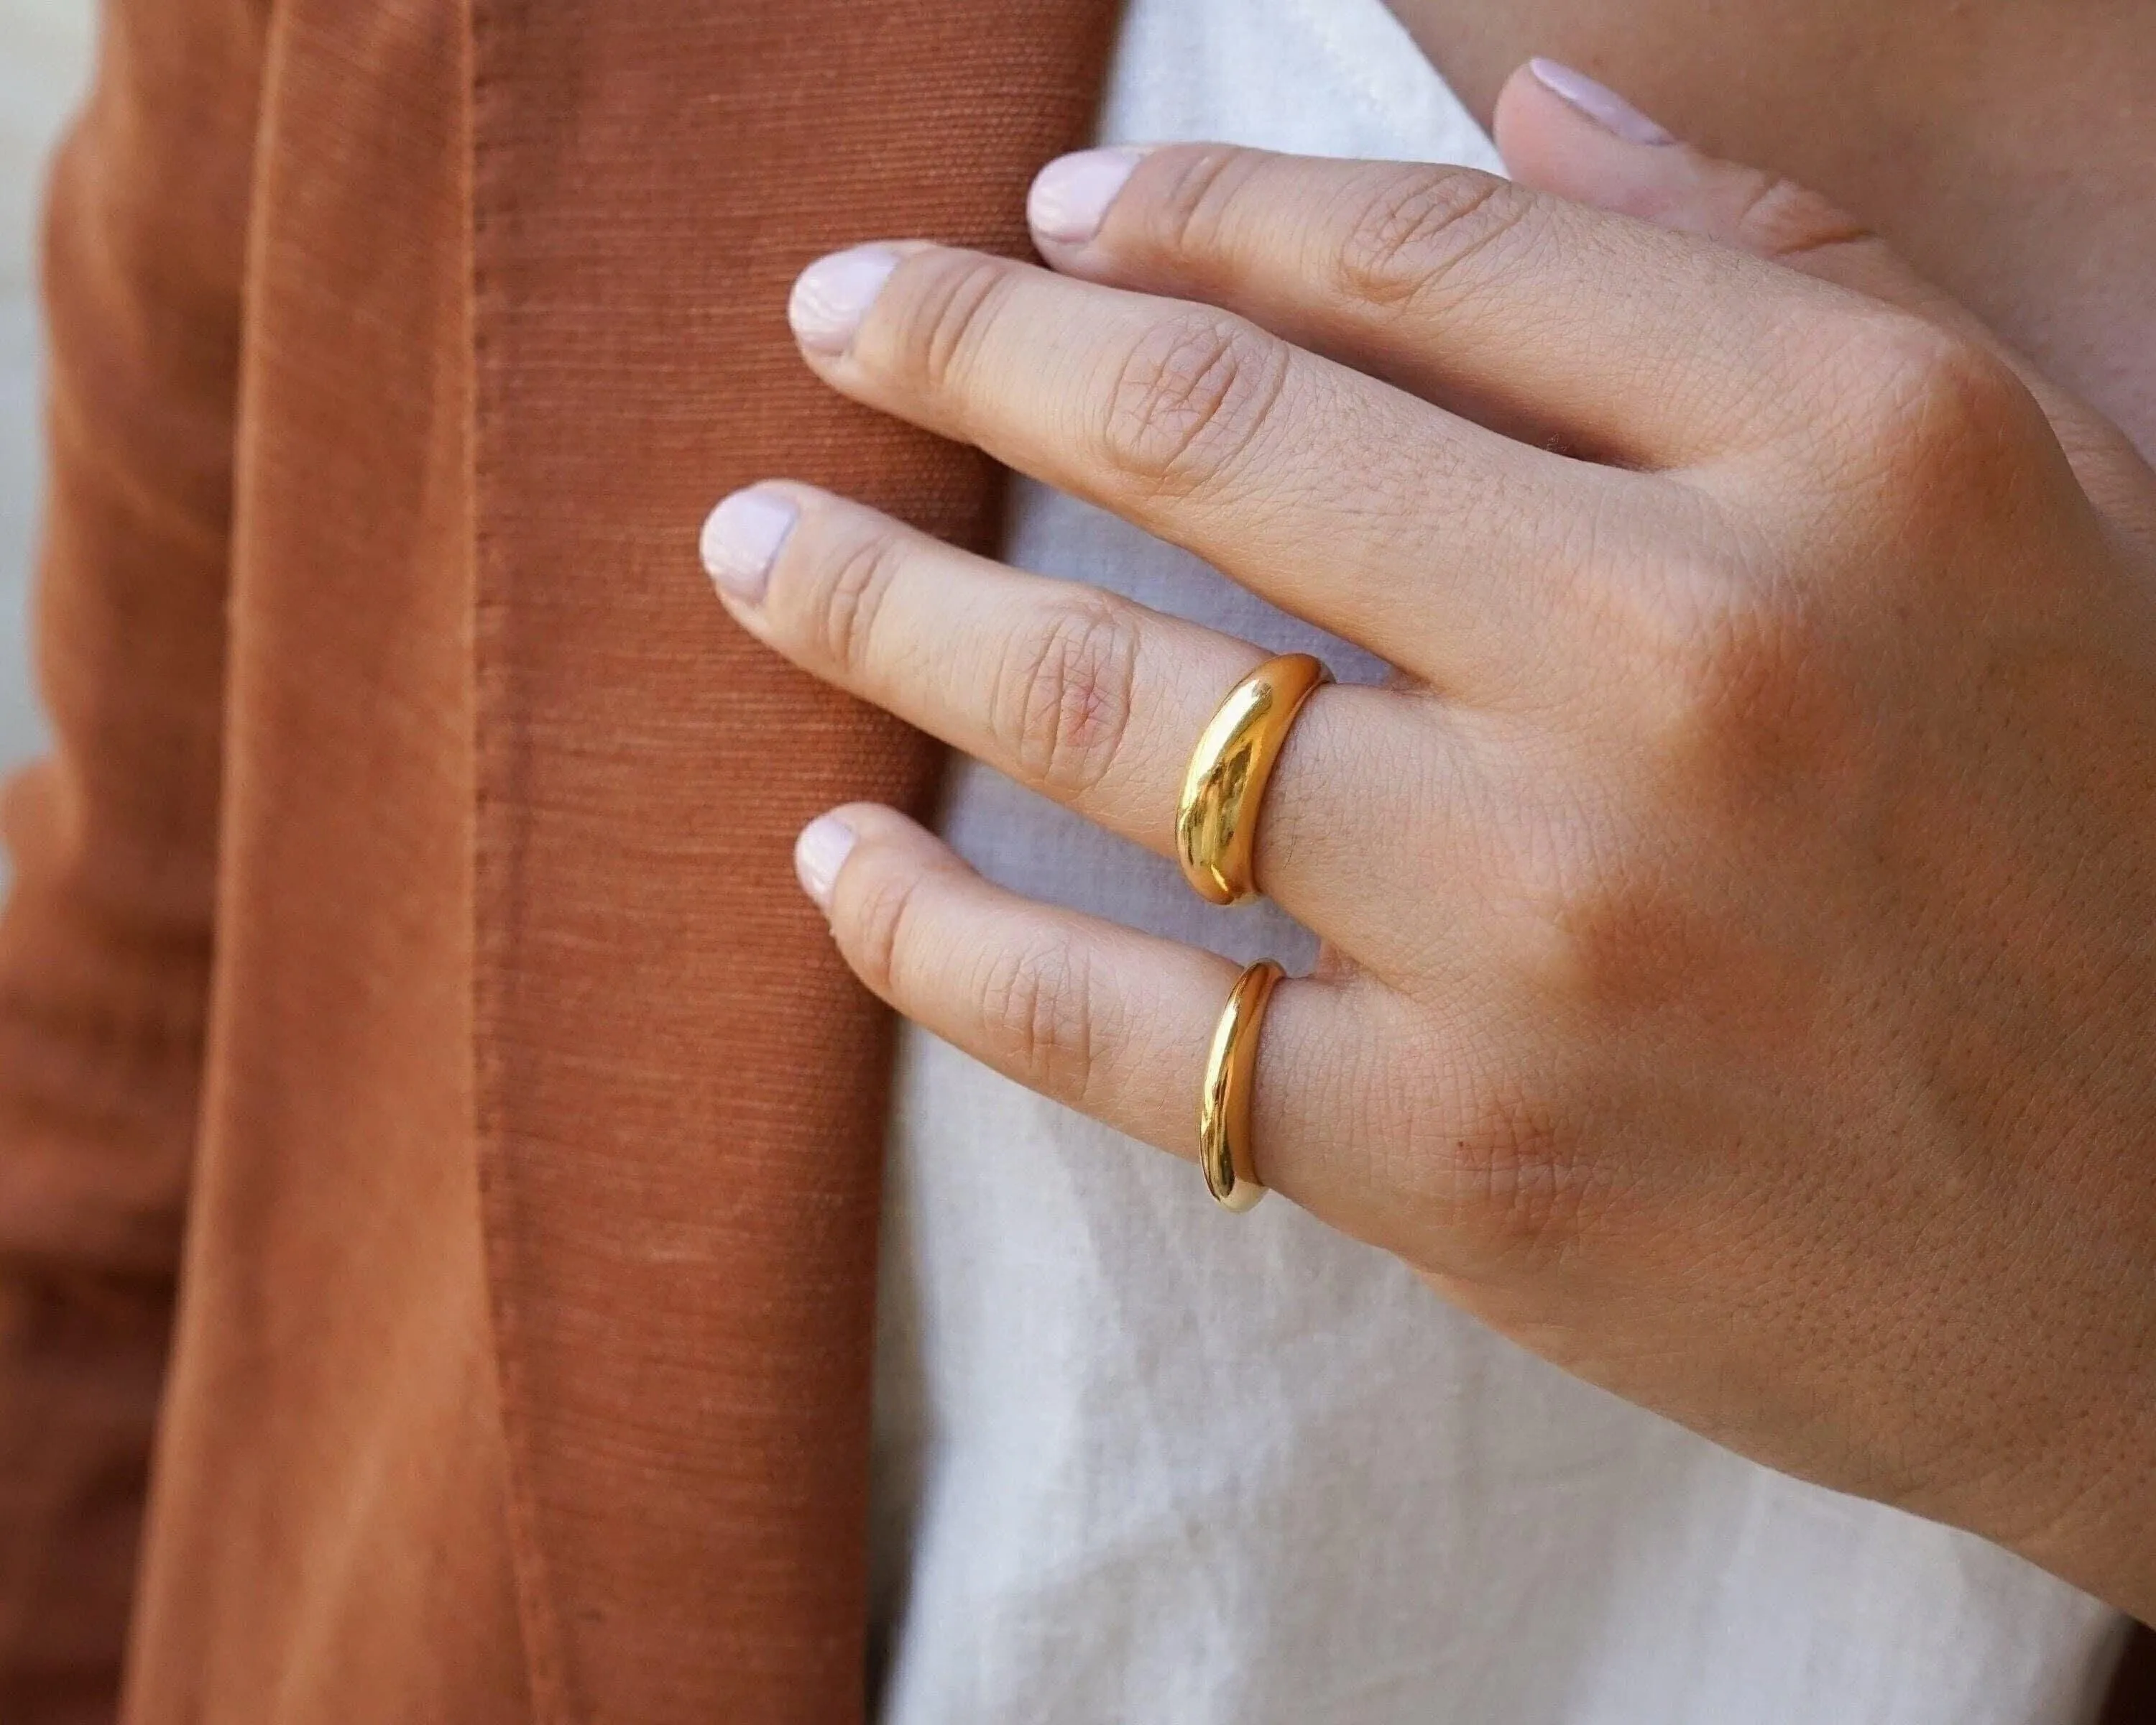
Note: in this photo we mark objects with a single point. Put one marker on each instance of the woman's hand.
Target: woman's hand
(1740, 919)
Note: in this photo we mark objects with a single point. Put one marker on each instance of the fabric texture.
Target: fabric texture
(525, 1127)
(105, 947)
(1096, 1500)
(682, 1091)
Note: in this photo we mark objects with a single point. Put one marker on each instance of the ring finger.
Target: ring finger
(1109, 1021)
(1089, 699)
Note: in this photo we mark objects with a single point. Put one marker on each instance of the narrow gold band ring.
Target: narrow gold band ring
(1216, 819)
(1224, 1108)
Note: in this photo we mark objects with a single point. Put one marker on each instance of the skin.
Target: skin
(1740, 918)
(1988, 140)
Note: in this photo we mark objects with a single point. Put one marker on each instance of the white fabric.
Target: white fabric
(1140, 1462)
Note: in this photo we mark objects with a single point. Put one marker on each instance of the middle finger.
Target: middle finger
(1435, 543)
(1085, 696)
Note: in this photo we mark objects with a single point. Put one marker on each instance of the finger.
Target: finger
(1526, 312)
(1561, 132)
(1107, 1020)
(1431, 542)
(1085, 696)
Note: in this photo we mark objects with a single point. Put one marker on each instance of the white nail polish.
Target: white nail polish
(833, 295)
(742, 539)
(819, 853)
(1599, 103)
(1070, 196)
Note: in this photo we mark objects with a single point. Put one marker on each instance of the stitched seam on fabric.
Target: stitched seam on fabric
(487, 197)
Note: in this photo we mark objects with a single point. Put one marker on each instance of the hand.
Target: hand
(1739, 979)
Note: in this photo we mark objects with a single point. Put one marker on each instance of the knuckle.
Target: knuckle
(1615, 937)
(948, 301)
(1192, 191)
(1737, 655)
(874, 922)
(1191, 399)
(853, 575)
(1753, 698)
(1419, 226)
(1937, 420)
(1779, 219)
(1040, 1016)
(1063, 705)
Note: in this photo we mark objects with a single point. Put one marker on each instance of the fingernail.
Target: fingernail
(741, 540)
(1599, 103)
(819, 853)
(833, 295)
(1070, 196)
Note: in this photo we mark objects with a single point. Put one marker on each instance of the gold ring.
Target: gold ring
(1216, 820)
(1224, 1107)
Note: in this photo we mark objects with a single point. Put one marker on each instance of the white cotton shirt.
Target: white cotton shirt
(1141, 1461)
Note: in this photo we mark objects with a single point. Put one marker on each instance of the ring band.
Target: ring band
(1216, 820)
(1224, 1107)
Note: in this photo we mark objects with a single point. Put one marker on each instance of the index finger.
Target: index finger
(1435, 543)
(1526, 312)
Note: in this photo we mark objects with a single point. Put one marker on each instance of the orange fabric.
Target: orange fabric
(105, 944)
(521, 1366)
(681, 1093)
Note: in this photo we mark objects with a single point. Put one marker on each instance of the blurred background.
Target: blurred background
(44, 56)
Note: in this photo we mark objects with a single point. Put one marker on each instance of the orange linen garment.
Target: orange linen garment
(406, 910)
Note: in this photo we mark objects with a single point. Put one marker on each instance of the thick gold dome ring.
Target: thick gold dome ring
(1224, 1107)
(1216, 820)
